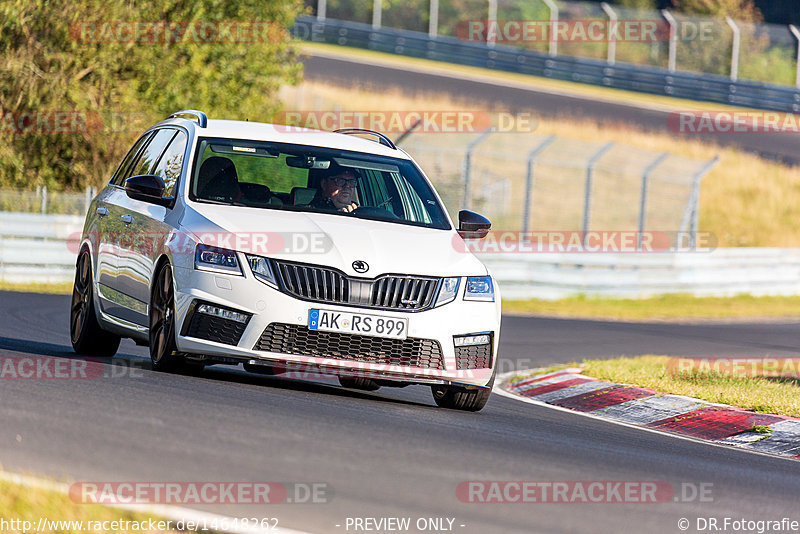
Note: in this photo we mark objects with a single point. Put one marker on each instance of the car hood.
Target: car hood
(333, 240)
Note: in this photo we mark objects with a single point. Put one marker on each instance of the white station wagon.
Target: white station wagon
(227, 242)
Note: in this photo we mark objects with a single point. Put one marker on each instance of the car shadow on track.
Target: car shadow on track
(234, 375)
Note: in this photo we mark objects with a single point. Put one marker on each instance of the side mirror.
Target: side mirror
(472, 225)
(147, 188)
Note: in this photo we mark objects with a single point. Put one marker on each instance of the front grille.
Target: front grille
(474, 357)
(299, 340)
(215, 329)
(314, 283)
(405, 293)
(323, 284)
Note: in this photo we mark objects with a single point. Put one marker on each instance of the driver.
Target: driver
(337, 190)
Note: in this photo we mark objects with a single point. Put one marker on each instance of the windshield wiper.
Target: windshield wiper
(223, 203)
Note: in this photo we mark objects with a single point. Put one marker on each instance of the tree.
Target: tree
(639, 4)
(744, 10)
(73, 57)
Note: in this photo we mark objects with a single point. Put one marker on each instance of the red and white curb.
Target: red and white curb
(646, 408)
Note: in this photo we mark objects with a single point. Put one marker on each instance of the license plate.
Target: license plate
(357, 323)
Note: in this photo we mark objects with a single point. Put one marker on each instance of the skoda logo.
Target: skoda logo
(360, 266)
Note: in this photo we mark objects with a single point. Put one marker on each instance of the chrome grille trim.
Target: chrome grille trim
(390, 291)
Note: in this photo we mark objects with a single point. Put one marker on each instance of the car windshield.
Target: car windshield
(313, 179)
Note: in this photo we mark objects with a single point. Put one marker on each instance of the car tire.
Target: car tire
(87, 337)
(358, 382)
(458, 398)
(163, 352)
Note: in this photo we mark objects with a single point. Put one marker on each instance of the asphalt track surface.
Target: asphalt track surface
(502, 95)
(391, 453)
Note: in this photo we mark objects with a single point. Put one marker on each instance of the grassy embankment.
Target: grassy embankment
(19, 503)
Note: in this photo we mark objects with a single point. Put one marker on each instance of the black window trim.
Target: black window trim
(445, 216)
(156, 131)
(120, 169)
(158, 161)
(151, 132)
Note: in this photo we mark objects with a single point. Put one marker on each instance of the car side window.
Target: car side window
(121, 175)
(170, 165)
(152, 152)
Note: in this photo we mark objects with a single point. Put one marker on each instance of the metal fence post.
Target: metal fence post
(433, 19)
(696, 207)
(468, 167)
(587, 199)
(796, 34)
(377, 13)
(692, 212)
(491, 35)
(643, 200)
(734, 49)
(526, 213)
(673, 38)
(611, 34)
(87, 199)
(44, 199)
(322, 7)
(551, 34)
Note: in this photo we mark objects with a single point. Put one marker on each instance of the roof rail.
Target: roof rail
(202, 120)
(382, 139)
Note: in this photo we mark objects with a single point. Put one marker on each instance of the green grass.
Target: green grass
(24, 503)
(64, 288)
(670, 307)
(662, 373)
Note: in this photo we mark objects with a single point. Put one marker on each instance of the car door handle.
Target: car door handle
(102, 212)
(127, 219)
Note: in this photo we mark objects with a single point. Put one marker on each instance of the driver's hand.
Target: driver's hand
(350, 207)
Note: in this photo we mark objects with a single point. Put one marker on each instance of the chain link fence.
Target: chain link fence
(547, 183)
(738, 49)
(46, 202)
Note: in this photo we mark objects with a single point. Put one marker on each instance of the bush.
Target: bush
(54, 58)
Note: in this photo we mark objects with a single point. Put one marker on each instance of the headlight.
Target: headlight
(221, 260)
(447, 291)
(479, 288)
(262, 269)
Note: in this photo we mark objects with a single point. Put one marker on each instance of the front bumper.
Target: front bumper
(268, 306)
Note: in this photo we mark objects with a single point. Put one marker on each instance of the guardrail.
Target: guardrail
(720, 273)
(35, 248)
(645, 79)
